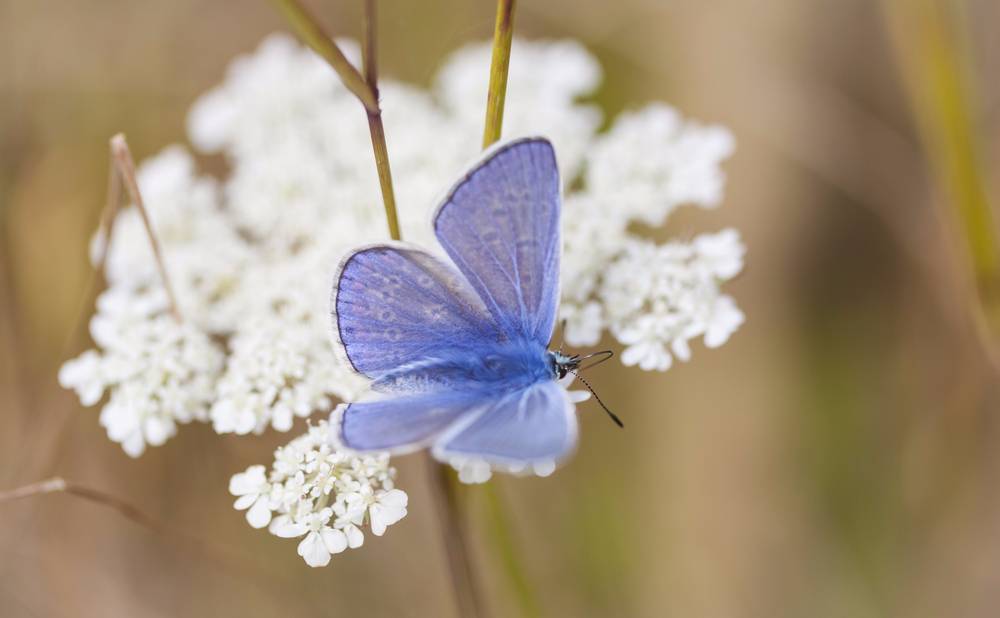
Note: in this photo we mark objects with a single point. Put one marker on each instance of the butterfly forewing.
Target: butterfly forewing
(500, 225)
(395, 304)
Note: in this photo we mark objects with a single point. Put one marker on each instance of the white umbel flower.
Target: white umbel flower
(251, 256)
(281, 365)
(253, 493)
(158, 372)
(471, 471)
(653, 161)
(277, 371)
(323, 495)
(474, 471)
(659, 297)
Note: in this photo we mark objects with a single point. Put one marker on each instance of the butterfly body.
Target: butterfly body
(457, 348)
(508, 365)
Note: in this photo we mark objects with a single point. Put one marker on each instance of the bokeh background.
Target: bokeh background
(838, 457)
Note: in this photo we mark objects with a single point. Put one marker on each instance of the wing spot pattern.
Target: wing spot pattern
(407, 298)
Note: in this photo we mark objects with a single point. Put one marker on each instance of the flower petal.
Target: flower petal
(335, 540)
(355, 538)
(244, 502)
(259, 514)
(283, 526)
(314, 551)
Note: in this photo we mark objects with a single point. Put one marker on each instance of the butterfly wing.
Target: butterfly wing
(500, 225)
(402, 423)
(534, 425)
(421, 330)
(395, 304)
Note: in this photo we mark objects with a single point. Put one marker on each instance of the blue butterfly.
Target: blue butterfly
(458, 352)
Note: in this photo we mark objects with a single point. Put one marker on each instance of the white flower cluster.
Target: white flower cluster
(323, 495)
(251, 256)
(649, 297)
(160, 372)
(660, 297)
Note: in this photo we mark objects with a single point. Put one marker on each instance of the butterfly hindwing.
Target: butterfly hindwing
(536, 425)
(403, 422)
(500, 225)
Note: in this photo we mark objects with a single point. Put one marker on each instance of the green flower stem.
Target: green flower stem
(503, 34)
(384, 174)
(936, 66)
(499, 522)
(505, 546)
(365, 86)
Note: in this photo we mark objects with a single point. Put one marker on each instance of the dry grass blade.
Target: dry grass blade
(126, 171)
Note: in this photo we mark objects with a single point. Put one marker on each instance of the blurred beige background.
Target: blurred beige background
(837, 458)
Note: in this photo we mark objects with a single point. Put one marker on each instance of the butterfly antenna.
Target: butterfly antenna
(614, 417)
(604, 355)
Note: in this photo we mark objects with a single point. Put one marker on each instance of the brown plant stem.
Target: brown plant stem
(313, 35)
(108, 214)
(126, 172)
(503, 35)
(445, 501)
(57, 484)
(119, 164)
(375, 127)
(365, 86)
(111, 207)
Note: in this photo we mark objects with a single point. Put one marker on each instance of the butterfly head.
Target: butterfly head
(563, 364)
